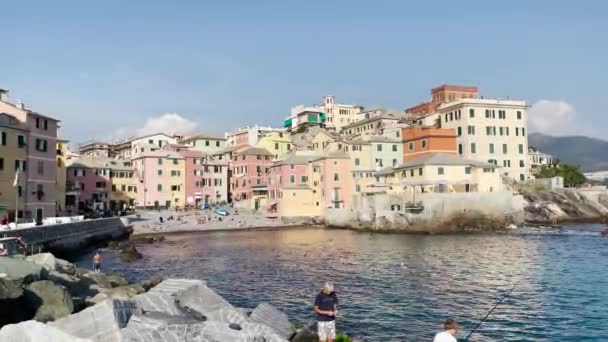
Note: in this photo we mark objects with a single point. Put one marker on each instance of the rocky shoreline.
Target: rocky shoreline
(46, 298)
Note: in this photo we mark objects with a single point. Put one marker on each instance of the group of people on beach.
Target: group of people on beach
(326, 310)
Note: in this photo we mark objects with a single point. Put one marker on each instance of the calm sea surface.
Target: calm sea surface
(561, 292)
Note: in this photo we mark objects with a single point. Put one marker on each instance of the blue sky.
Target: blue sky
(107, 67)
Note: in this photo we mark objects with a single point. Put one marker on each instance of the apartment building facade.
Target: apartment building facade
(250, 168)
(492, 131)
(13, 155)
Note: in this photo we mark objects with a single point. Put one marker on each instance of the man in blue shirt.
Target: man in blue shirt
(326, 308)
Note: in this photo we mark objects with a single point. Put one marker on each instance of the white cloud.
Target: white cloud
(169, 123)
(552, 117)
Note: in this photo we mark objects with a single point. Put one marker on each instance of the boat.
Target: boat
(221, 211)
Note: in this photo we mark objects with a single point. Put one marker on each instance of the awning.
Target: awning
(3, 207)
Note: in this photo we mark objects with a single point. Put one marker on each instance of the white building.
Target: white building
(249, 135)
(491, 131)
(538, 159)
(337, 115)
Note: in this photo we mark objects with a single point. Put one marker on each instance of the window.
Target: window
(46, 125)
(1, 164)
(491, 148)
(123, 188)
(412, 173)
(175, 161)
(37, 122)
(423, 143)
(459, 148)
(379, 162)
(336, 177)
(292, 179)
(521, 163)
(357, 161)
(440, 171)
(217, 144)
(379, 147)
(3, 138)
(471, 130)
(473, 148)
(206, 142)
(357, 188)
(40, 167)
(467, 170)
(41, 145)
(500, 130)
(521, 149)
(291, 166)
(276, 146)
(523, 132)
(394, 148)
(459, 131)
(516, 131)
(518, 115)
(394, 162)
(506, 163)
(420, 171)
(174, 187)
(522, 177)
(471, 113)
(304, 179)
(159, 187)
(160, 172)
(487, 113)
(113, 187)
(411, 147)
(504, 148)
(160, 161)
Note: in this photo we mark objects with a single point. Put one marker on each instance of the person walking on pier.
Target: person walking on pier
(326, 308)
(97, 262)
(450, 327)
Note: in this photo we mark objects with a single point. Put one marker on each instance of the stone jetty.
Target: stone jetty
(46, 298)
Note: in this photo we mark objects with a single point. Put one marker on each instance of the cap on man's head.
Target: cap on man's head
(328, 287)
(450, 324)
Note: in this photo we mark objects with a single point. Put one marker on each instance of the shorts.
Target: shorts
(97, 266)
(326, 330)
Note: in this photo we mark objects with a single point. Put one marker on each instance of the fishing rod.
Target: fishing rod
(491, 310)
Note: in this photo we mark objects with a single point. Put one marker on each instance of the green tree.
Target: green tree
(572, 174)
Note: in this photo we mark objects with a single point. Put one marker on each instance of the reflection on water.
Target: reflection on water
(560, 294)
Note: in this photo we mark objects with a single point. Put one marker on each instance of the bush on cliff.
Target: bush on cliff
(572, 174)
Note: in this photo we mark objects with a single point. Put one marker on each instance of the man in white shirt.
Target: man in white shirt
(450, 327)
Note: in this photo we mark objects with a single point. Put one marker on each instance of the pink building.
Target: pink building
(162, 176)
(206, 178)
(250, 168)
(88, 185)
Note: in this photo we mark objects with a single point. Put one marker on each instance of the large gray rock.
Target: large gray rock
(33, 331)
(207, 303)
(105, 280)
(17, 268)
(48, 301)
(46, 260)
(161, 298)
(307, 334)
(64, 266)
(11, 288)
(247, 332)
(159, 327)
(121, 292)
(274, 318)
(99, 323)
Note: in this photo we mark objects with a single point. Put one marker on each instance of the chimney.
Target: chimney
(4, 95)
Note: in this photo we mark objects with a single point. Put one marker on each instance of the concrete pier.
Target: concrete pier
(69, 236)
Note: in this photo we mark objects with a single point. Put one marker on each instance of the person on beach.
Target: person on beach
(326, 308)
(97, 262)
(450, 327)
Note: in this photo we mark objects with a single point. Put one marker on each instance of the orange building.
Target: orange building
(442, 94)
(420, 140)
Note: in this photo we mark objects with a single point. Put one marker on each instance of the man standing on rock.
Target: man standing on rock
(326, 308)
(97, 262)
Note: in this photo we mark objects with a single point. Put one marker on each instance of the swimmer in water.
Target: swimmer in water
(403, 267)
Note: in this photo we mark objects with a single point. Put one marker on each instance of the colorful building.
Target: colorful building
(439, 172)
(440, 95)
(422, 140)
(39, 170)
(61, 178)
(88, 185)
(336, 115)
(277, 143)
(250, 168)
(385, 152)
(206, 179)
(13, 156)
(207, 143)
(124, 184)
(162, 176)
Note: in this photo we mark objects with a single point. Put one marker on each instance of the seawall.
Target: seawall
(69, 237)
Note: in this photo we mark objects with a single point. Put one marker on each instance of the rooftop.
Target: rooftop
(212, 136)
(254, 151)
(442, 159)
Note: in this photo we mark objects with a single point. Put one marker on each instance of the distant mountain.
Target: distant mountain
(590, 153)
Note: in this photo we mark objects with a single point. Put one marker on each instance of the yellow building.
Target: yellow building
(60, 178)
(124, 184)
(277, 143)
(176, 179)
(438, 172)
(13, 154)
